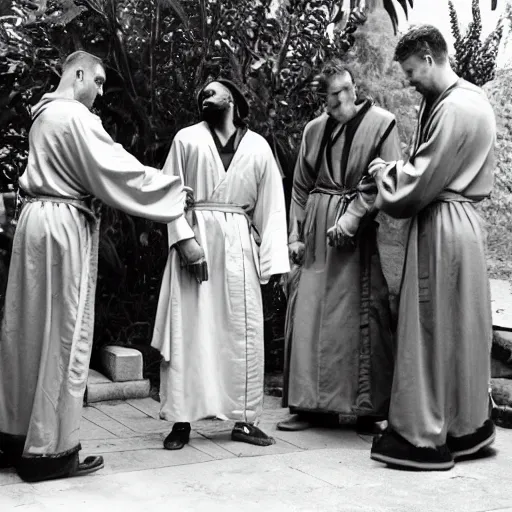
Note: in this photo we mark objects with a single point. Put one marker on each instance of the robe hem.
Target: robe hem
(10, 439)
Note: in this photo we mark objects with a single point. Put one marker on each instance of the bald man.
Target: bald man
(210, 333)
(47, 331)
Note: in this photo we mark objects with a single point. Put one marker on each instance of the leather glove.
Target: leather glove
(296, 252)
(192, 258)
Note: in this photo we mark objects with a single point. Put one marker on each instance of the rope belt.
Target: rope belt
(86, 207)
(447, 196)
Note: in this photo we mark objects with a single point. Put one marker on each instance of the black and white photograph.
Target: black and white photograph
(256, 255)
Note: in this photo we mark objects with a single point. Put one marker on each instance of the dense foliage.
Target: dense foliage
(475, 60)
(158, 53)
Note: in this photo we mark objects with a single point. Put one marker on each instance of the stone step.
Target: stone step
(101, 388)
(500, 370)
(501, 303)
(502, 346)
(121, 364)
(502, 391)
(502, 398)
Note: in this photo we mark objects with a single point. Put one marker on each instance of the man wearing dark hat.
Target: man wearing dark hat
(209, 323)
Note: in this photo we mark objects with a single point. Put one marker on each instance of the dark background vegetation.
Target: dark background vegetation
(158, 53)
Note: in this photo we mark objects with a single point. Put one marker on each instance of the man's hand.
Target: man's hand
(192, 258)
(189, 200)
(296, 252)
(375, 166)
(338, 238)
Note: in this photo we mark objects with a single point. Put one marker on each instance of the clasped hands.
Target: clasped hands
(337, 235)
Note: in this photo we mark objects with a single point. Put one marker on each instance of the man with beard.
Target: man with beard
(339, 342)
(47, 331)
(439, 404)
(210, 332)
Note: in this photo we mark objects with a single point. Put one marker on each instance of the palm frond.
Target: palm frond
(390, 8)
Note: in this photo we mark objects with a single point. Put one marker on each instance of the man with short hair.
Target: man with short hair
(47, 331)
(440, 405)
(339, 341)
(210, 334)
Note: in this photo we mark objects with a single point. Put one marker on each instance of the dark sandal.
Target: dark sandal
(247, 433)
(89, 465)
(178, 437)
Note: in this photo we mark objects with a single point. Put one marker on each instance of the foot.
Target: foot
(370, 425)
(295, 423)
(89, 465)
(178, 437)
(471, 444)
(392, 449)
(248, 433)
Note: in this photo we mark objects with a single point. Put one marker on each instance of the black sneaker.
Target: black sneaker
(392, 449)
(465, 446)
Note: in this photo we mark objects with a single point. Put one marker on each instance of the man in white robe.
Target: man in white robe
(47, 331)
(439, 408)
(210, 333)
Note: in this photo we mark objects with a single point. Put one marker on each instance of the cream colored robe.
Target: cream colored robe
(211, 335)
(442, 371)
(47, 330)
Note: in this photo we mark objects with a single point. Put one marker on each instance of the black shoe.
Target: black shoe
(179, 436)
(370, 425)
(8, 460)
(466, 446)
(248, 433)
(392, 449)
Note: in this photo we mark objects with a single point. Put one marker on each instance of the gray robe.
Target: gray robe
(339, 341)
(442, 371)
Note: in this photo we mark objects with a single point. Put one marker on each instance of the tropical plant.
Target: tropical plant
(475, 60)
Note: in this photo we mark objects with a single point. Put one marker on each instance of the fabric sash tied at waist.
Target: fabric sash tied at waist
(347, 196)
(221, 207)
(88, 207)
(447, 196)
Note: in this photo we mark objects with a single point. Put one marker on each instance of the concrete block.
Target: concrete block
(500, 370)
(502, 391)
(501, 303)
(100, 388)
(502, 346)
(121, 364)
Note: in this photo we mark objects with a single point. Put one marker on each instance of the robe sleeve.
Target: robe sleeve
(405, 189)
(269, 218)
(366, 190)
(175, 165)
(304, 180)
(110, 173)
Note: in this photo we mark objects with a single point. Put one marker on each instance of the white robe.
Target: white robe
(211, 334)
(47, 329)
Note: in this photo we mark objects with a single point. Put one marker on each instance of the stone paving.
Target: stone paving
(316, 470)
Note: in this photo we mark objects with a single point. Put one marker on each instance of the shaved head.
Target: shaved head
(83, 76)
(81, 60)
